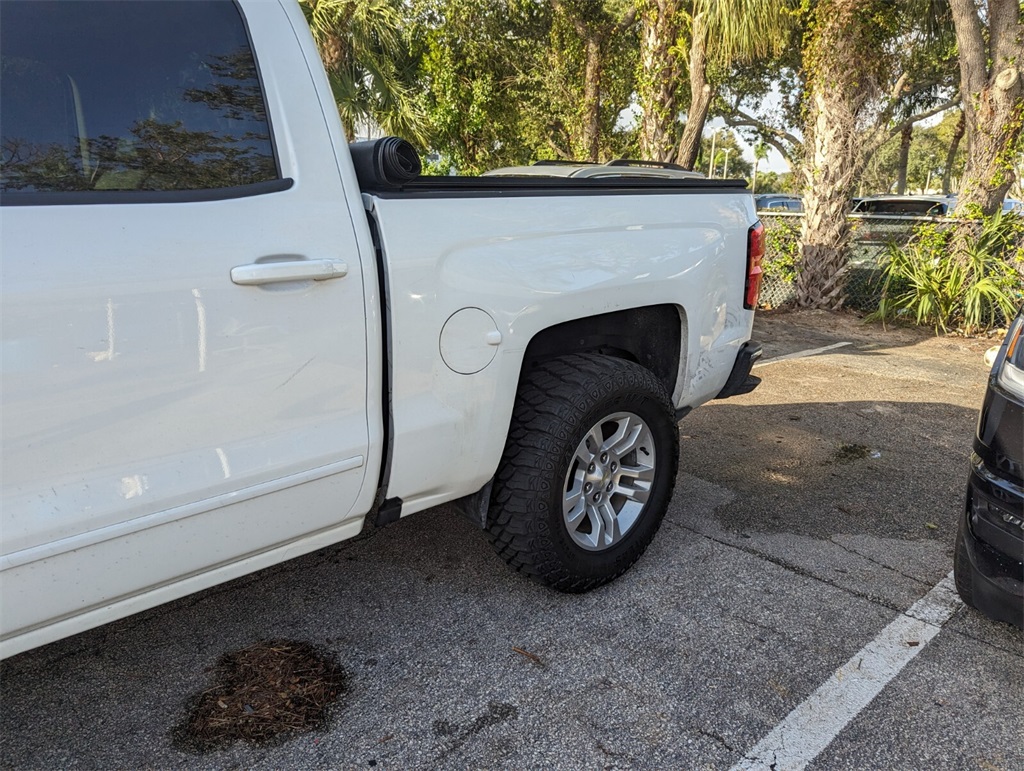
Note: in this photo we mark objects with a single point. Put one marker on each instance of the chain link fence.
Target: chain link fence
(872, 236)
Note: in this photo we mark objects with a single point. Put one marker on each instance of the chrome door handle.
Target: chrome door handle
(288, 270)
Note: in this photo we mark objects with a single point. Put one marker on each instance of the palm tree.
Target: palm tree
(864, 63)
(714, 34)
(760, 153)
(367, 62)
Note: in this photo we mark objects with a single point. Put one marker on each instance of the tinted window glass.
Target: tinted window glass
(157, 95)
(902, 207)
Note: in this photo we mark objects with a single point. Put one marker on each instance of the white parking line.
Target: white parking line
(799, 354)
(812, 726)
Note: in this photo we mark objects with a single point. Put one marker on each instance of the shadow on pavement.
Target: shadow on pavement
(889, 469)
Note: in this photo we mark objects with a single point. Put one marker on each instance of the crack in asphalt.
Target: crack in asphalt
(792, 568)
(497, 712)
(873, 561)
(987, 643)
(803, 572)
(717, 737)
(610, 753)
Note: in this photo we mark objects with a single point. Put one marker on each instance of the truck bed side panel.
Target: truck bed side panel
(475, 277)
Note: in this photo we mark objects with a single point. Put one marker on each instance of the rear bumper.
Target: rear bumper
(993, 545)
(740, 380)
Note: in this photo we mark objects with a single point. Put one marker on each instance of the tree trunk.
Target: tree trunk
(659, 74)
(830, 174)
(595, 34)
(954, 145)
(993, 100)
(901, 172)
(835, 152)
(700, 97)
(590, 138)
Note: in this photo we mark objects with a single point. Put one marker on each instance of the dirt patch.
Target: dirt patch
(851, 452)
(264, 694)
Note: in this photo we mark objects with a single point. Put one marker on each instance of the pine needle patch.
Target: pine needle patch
(848, 453)
(264, 694)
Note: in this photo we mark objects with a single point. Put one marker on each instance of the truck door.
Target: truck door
(184, 330)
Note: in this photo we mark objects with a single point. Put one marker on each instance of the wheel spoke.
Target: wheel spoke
(610, 530)
(596, 527)
(590, 447)
(626, 437)
(575, 491)
(622, 427)
(575, 514)
(638, 493)
(635, 482)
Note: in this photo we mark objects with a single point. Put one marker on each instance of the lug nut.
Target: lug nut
(591, 468)
(615, 466)
(597, 497)
(588, 487)
(609, 487)
(604, 457)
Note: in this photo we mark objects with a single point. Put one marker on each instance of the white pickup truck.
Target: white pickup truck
(223, 347)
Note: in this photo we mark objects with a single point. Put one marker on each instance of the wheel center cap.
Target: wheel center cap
(600, 477)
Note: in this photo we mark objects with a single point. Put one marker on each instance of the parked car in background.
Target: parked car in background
(623, 167)
(906, 205)
(989, 562)
(920, 205)
(778, 202)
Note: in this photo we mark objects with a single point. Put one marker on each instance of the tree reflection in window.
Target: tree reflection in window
(201, 138)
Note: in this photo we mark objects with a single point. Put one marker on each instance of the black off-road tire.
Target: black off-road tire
(558, 403)
(962, 567)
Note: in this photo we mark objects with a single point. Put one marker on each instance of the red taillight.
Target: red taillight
(755, 251)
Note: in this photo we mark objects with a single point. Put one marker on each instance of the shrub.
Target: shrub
(969, 284)
(782, 249)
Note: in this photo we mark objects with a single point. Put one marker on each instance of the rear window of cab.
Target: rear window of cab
(102, 96)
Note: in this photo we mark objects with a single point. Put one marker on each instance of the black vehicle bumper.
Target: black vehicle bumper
(992, 532)
(740, 380)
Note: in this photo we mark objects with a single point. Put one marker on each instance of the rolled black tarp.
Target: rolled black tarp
(389, 162)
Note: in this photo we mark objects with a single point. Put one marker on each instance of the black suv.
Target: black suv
(989, 566)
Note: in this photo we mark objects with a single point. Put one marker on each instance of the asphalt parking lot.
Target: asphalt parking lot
(809, 516)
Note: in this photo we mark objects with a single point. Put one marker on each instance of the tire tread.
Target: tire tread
(553, 399)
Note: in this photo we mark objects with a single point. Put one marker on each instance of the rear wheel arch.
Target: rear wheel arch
(652, 336)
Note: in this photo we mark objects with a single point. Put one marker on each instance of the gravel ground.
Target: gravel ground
(808, 515)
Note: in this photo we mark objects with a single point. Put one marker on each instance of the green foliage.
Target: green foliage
(476, 63)
(557, 125)
(782, 248)
(739, 167)
(926, 164)
(974, 286)
(838, 32)
(777, 182)
(365, 52)
(745, 30)
(486, 83)
(502, 81)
